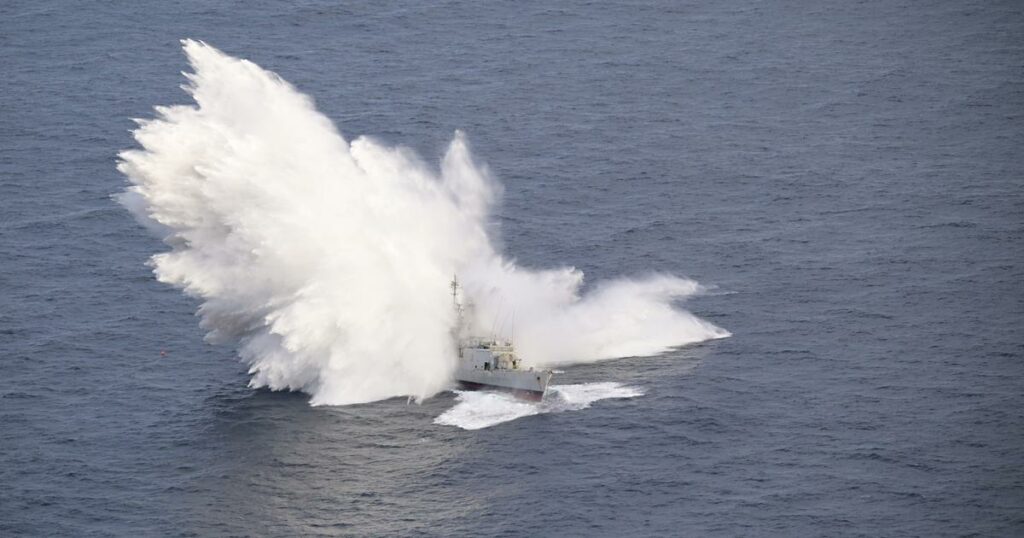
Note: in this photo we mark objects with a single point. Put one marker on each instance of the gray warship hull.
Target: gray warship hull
(527, 384)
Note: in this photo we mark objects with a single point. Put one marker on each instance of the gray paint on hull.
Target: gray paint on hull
(515, 380)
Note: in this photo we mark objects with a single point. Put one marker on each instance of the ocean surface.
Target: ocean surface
(846, 177)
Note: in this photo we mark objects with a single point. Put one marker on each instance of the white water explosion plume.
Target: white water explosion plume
(328, 262)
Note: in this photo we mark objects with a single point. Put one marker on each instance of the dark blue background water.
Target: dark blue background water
(852, 172)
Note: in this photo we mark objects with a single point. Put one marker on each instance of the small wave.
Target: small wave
(477, 410)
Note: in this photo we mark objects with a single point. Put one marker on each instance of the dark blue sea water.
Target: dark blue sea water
(849, 174)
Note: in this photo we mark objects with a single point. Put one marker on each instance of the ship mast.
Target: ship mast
(458, 306)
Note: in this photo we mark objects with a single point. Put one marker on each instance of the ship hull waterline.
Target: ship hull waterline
(525, 394)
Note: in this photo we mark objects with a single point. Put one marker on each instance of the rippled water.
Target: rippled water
(848, 175)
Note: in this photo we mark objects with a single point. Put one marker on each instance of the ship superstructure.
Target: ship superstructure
(492, 363)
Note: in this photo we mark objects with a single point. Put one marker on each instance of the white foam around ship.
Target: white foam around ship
(326, 260)
(476, 410)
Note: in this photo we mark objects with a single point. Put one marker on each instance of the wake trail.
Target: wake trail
(478, 410)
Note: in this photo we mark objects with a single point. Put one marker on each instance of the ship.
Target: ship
(492, 363)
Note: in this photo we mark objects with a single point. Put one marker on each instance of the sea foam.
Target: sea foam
(477, 410)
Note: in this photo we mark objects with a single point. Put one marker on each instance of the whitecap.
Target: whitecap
(475, 410)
